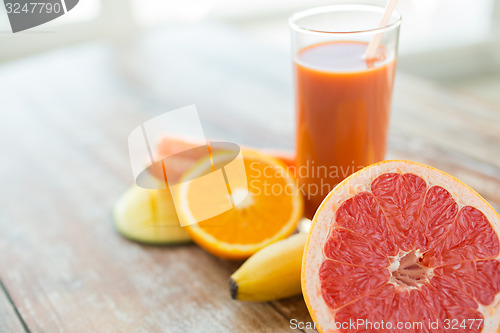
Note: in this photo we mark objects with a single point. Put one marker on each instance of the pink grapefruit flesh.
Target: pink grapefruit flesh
(403, 243)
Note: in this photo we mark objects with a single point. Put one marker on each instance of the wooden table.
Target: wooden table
(66, 116)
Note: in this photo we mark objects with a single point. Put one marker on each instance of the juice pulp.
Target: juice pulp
(343, 108)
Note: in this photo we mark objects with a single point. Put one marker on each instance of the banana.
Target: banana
(271, 273)
(148, 216)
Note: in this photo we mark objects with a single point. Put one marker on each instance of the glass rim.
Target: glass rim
(324, 9)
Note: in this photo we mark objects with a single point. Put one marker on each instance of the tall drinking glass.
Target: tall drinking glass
(343, 100)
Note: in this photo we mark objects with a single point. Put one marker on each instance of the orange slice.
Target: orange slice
(403, 247)
(172, 144)
(268, 213)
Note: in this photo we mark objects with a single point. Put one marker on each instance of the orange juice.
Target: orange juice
(343, 108)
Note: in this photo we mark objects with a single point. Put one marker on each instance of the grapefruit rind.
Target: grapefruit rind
(361, 181)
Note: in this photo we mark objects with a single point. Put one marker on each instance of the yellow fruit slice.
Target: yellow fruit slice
(148, 216)
(272, 273)
(268, 213)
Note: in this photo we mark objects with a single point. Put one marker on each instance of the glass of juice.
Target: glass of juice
(343, 100)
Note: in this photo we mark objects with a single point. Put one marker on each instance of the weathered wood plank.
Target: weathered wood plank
(435, 116)
(9, 319)
(296, 311)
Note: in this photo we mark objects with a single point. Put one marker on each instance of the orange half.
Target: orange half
(269, 212)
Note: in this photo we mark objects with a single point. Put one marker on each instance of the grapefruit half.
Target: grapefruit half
(400, 243)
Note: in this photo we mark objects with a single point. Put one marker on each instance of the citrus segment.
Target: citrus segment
(363, 215)
(479, 279)
(352, 248)
(438, 213)
(342, 283)
(470, 237)
(401, 198)
(407, 245)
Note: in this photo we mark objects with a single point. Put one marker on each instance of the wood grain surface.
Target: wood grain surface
(9, 318)
(66, 116)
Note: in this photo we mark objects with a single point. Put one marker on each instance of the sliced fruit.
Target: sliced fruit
(271, 273)
(400, 242)
(148, 216)
(172, 144)
(268, 213)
